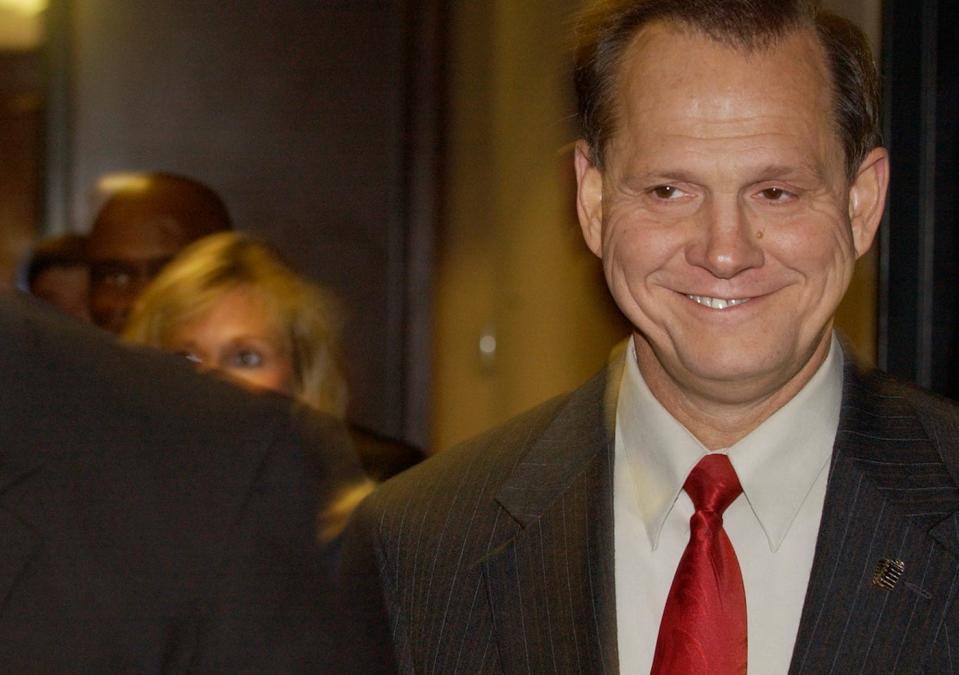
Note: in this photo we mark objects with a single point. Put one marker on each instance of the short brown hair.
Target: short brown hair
(608, 28)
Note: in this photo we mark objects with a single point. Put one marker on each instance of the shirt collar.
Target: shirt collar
(777, 463)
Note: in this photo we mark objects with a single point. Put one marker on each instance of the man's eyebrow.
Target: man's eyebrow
(764, 172)
(661, 176)
(805, 169)
(110, 264)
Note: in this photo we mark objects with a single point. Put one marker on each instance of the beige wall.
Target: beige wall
(858, 312)
(511, 263)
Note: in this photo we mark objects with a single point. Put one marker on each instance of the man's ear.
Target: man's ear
(589, 198)
(867, 198)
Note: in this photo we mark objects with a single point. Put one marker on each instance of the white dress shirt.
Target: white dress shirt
(782, 466)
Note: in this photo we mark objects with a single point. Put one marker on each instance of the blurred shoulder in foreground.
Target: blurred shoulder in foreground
(153, 519)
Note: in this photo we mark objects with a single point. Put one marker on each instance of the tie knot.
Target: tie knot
(713, 484)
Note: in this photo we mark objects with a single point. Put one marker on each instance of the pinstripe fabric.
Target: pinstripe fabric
(496, 557)
(890, 495)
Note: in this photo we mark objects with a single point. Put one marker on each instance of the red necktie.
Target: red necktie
(703, 630)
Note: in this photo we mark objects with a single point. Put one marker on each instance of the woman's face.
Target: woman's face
(239, 337)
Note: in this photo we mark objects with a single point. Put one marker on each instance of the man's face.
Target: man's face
(125, 254)
(726, 224)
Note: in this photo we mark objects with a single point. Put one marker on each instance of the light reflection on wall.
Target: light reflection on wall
(21, 128)
(21, 24)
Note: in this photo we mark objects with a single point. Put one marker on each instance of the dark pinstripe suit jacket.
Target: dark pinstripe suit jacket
(497, 556)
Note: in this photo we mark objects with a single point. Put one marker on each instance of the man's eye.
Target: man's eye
(190, 356)
(115, 278)
(247, 358)
(666, 192)
(775, 194)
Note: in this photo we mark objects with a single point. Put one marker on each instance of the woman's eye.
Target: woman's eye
(247, 358)
(190, 356)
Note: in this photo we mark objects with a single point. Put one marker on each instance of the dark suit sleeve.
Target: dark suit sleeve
(273, 607)
(367, 633)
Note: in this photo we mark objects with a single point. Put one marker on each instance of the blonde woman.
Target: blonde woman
(229, 304)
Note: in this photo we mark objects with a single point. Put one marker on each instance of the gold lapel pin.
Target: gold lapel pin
(888, 573)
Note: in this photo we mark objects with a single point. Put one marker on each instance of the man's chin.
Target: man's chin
(735, 378)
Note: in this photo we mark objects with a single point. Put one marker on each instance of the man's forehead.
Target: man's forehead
(684, 81)
(138, 236)
(669, 51)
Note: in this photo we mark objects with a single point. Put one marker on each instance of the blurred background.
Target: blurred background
(414, 155)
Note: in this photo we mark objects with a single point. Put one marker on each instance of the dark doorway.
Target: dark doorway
(919, 299)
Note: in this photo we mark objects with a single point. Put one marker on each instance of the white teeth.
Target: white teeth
(716, 303)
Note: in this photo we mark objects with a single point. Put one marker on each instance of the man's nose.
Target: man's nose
(725, 242)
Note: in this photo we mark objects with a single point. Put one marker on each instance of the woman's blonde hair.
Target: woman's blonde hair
(210, 268)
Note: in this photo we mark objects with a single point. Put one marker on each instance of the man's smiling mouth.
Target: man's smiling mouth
(717, 303)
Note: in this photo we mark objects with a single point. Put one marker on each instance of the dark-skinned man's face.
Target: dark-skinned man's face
(125, 254)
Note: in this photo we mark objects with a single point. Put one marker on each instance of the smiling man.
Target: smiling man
(733, 492)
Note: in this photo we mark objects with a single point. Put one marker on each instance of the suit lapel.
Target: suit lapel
(551, 587)
(889, 497)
